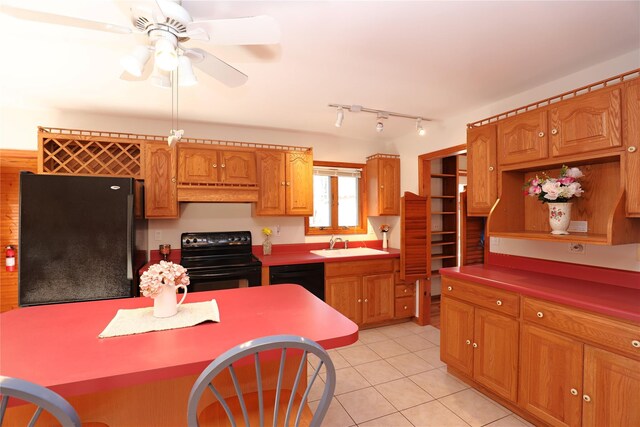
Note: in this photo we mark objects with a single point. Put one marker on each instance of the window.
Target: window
(338, 199)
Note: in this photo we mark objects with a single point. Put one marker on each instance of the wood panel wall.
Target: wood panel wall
(11, 163)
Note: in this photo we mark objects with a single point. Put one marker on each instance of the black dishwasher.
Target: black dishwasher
(309, 276)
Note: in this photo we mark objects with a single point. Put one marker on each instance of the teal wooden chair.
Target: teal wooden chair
(43, 398)
(285, 405)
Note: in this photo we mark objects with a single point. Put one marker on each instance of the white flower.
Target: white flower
(552, 189)
(574, 173)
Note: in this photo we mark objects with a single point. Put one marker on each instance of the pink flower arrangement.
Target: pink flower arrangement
(163, 273)
(558, 190)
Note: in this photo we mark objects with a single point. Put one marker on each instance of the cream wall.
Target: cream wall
(451, 132)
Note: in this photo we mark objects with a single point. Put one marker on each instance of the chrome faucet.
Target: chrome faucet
(333, 241)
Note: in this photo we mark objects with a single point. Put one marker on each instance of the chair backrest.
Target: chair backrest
(42, 397)
(302, 347)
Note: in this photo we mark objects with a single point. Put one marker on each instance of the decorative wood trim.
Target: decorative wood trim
(566, 95)
(383, 156)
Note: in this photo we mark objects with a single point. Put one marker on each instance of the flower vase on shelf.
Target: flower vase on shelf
(384, 240)
(559, 217)
(266, 246)
(164, 303)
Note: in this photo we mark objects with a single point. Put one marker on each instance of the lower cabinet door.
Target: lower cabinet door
(611, 393)
(379, 298)
(551, 369)
(456, 331)
(495, 354)
(345, 295)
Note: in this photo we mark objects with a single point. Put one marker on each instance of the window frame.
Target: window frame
(362, 201)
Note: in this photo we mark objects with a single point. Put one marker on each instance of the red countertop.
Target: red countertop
(617, 301)
(58, 347)
(300, 253)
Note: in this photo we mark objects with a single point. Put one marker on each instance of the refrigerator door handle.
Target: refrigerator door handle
(131, 237)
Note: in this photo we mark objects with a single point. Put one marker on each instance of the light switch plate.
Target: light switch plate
(578, 226)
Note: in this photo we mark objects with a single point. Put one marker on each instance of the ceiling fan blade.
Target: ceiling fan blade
(50, 18)
(260, 29)
(216, 68)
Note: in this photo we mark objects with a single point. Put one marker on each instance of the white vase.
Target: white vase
(384, 240)
(164, 304)
(266, 246)
(559, 217)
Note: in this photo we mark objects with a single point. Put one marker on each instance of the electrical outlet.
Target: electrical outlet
(277, 228)
(577, 248)
(158, 235)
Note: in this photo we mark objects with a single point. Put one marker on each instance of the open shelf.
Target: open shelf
(440, 256)
(442, 213)
(442, 243)
(443, 175)
(437, 233)
(602, 207)
(443, 197)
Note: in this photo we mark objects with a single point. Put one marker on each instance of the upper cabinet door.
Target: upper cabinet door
(271, 180)
(482, 170)
(523, 138)
(390, 186)
(586, 123)
(299, 183)
(161, 199)
(198, 165)
(238, 167)
(632, 143)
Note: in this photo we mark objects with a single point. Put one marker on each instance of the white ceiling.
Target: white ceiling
(422, 58)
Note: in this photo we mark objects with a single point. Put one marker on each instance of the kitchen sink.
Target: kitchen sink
(334, 253)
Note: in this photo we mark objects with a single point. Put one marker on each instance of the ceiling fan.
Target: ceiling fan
(168, 26)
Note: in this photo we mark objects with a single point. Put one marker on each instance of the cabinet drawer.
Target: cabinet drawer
(405, 306)
(617, 335)
(495, 299)
(405, 290)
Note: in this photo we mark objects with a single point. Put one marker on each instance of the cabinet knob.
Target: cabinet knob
(540, 134)
(574, 391)
(635, 343)
(366, 300)
(554, 131)
(498, 302)
(405, 307)
(282, 183)
(449, 288)
(632, 149)
(491, 168)
(540, 314)
(173, 179)
(586, 398)
(214, 165)
(288, 183)
(222, 165)
(405, 290)
(382, 186)
(468, 342)
(475, 345)
(359, 300)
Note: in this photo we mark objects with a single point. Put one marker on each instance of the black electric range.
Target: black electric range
(220, 260)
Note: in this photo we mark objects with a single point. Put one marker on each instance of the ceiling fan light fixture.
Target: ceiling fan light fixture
(166, 55)
(419, 128)
(160, 78)
(339, 117)
(134, 62)
(185, 72)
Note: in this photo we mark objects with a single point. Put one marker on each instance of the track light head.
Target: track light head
(419, 128)
(339, 117)
(379, 126)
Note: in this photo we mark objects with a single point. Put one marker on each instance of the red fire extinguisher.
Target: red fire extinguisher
(11, 258)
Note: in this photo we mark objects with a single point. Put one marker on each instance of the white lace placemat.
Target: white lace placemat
(141, 320)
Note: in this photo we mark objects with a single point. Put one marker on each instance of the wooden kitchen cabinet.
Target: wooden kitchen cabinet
(383, 184)
(631, 138)
(160, 191)
(361, 290)
(482, 344)
(482, 169)
(586, 123)
(210, 165)
(285, 180)
(523, 138)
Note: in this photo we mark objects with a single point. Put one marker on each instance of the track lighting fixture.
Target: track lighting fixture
(339, 117)
(381, 114)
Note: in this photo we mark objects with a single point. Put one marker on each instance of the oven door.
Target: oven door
(224, 278)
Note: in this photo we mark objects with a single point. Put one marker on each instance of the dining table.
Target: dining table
(144, 379)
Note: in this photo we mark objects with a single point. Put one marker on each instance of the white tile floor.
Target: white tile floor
(393, 377)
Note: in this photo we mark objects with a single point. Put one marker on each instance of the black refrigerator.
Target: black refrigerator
(79, 239)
